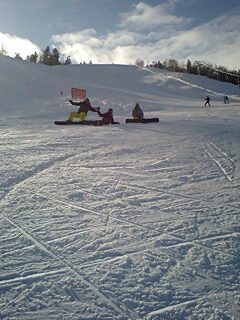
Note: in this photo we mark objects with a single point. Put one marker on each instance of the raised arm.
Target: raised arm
(99, 113)
(74, 103)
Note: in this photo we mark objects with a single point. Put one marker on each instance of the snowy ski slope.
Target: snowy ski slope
(132, 221)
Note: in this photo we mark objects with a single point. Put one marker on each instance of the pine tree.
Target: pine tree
(172, 65)
(189, 66)
(55, 57)
(50, 58)
(46, 56)
(33, 57)
(17, 56)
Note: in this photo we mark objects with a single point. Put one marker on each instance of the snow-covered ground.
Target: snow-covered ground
(131, 221)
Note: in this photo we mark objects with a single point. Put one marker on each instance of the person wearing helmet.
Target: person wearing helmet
(84, 107)
(137, 112)
(107, 117)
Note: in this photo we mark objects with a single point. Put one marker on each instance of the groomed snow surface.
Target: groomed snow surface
(129, 221)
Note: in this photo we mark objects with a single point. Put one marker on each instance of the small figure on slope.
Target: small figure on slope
(137, 112)
(225, 99)
(107, 117)
(207, 101)
(84, 107)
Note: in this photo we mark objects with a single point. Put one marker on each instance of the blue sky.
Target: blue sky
(121, 31)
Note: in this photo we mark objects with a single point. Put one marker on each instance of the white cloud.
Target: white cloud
(76, 37)
(13, 45)
(155, 33)
(87, 45)
(217, 41)
(146, 17)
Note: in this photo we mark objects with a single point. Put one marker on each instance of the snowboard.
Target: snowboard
(82, 123)
(144, 120)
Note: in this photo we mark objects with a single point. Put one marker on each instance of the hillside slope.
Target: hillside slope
(123, 222)
(117, 86)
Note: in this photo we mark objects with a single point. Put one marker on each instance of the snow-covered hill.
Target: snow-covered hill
(133, 221)
(29, 89)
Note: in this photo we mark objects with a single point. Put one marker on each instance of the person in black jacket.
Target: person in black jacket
(225, 99)
(137, 112)
(207, 101)
(84, 107)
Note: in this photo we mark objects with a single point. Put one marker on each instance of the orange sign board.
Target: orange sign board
(78, 94)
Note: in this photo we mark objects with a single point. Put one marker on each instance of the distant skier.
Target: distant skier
(107, 117)
(207, 101)
(137, 112)
(84, 107)
(225, 99)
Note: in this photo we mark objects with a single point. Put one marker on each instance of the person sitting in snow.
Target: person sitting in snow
(107, 117)
(207, 101)
(137, 112)
(84, 107)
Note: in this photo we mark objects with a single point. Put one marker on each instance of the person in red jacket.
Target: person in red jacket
(107, 117)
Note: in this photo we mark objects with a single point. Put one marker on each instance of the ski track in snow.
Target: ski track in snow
(222, 160)
(71, 268)
(42, 246)
(196, 242)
